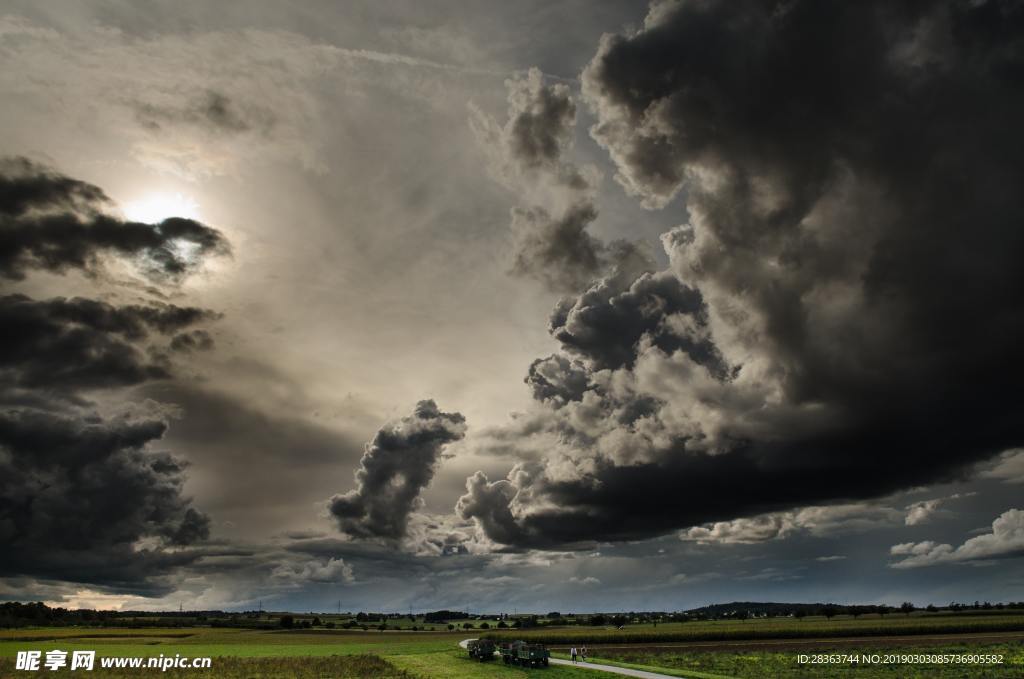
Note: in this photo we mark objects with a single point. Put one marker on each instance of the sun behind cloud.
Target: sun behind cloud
(156, 207)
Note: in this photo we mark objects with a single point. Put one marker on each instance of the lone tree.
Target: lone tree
(287, 621)
(907, 608)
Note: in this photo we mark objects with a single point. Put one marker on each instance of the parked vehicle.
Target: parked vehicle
(481, 649)
(524, 654)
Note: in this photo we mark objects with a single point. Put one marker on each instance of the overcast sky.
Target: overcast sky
(492, 305)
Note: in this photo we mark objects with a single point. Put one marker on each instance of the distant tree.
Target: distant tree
(287, 621)
(383, 626)
(502, 624)
(484, 625)
(305, 624)
(467, 625)
(882, 610)
(830, 611)
(450, 627)
(329, 624)
(317, 622)
(597, 620)
(907, 608)
(931, 608)
(799, 614)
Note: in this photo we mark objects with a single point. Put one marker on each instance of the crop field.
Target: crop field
(747, 649)
(784, 665)
(773, 628)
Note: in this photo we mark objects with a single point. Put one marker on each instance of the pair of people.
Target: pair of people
(582, 653)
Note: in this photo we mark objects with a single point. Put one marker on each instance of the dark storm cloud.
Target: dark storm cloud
(211, 110)
(557, 379)
(605, 323)
(541, 125)
(72, 344)
(54, 223)
(558, 251)
(397, 465)
(550, 238)
(851, 286)
(78, 493)
(83, 499)
(194, 340)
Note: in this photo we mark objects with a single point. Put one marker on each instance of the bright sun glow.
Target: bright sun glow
(157, 207)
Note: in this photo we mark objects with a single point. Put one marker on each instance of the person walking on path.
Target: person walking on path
(583, 654)
(572, 652)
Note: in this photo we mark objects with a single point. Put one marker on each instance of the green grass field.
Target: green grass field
(422, 655)
(784, 665)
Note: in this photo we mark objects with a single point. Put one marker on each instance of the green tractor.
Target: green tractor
(524, 654)
(481, 649)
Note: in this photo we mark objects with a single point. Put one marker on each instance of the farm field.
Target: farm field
(774, 628)
(784, 665)
(747, 649)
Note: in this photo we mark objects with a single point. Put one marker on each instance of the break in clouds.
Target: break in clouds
(841, 315)
(83, 496)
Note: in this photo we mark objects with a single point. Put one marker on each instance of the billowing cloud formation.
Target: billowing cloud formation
(51, 222)
(81, 343)
(83, 497)
(817, 521)
(605, 324)
(1009, 469)
(924, 510)
(78, 494)
(1005, 540)
(529, 155)
(849, 263)
(397, 465)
